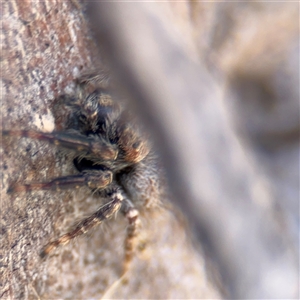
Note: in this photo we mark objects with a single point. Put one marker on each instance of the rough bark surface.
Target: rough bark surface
(46, 46)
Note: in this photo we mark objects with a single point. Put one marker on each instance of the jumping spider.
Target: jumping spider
(113, 159)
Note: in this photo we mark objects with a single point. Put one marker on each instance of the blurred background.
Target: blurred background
(218, 84)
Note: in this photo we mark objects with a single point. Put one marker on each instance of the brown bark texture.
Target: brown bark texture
(252, 50)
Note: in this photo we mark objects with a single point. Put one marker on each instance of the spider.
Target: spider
(113, 158)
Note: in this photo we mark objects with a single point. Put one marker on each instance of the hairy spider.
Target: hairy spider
(113, 159)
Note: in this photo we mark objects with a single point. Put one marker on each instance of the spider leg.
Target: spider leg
(94, 179)
(132, 215)
(103, 213)
(97, 147)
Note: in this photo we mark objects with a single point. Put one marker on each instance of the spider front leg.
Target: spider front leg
(130, 243)
(102, 214)
(94, 179)
(96, 146)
